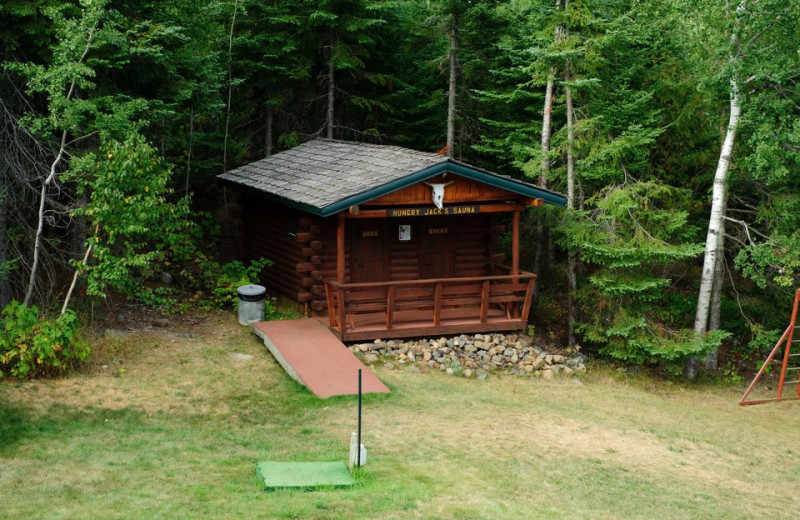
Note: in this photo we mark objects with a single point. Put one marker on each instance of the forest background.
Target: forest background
(671, 125)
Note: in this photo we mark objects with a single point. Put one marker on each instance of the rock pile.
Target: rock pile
(470, 356)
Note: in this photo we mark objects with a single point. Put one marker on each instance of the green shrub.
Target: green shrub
(31, 345)
(218, 282)
(636, 239)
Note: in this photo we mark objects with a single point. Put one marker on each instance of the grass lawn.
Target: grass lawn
(178, 434)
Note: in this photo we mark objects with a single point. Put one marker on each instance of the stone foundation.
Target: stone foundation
(472, 356)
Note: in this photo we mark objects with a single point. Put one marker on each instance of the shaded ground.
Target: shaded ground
(163, 425)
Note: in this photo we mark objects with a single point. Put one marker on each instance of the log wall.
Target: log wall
(296, 258)
(302, 262)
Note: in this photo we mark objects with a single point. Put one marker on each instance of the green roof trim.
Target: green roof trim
(450, 166)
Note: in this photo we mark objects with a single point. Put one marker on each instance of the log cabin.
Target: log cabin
(386, 241)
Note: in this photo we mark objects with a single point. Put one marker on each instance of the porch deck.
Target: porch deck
(441, 306)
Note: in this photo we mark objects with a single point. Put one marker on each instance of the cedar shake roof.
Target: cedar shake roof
(326, 176)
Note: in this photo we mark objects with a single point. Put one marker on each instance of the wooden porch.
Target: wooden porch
(437, 306)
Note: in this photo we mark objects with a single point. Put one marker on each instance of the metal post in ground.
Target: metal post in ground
(358, 446)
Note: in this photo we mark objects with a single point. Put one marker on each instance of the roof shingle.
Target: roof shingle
(320, 173)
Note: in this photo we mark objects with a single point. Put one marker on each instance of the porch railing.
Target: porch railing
(504, 296)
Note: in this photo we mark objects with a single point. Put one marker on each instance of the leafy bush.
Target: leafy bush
(218, 282)
(31, 345)
(138, 228)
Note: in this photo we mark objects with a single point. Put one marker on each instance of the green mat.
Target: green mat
(303, 474)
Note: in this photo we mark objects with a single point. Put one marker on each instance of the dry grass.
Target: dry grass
(178, 434)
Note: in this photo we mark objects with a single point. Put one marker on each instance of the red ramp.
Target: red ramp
(314, 357)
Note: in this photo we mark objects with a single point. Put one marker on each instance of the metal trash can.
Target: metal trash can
(251, 303)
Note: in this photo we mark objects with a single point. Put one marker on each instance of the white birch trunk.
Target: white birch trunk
(230, 89)
(77, 272)
(547, 118)
(51, 177)
(451, 94)
(711, 361)
(37, 241)
(715, 223)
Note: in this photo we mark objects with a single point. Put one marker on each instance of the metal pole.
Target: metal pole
(358, 446)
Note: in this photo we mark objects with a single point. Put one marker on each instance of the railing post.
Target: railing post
(437, 304)
(526, 306)
(484, 300)
(340, 303)
(389, 306)
(329, 299)
(340, 253)
(515, 244)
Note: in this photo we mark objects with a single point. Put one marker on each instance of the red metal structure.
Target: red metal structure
(786, 341)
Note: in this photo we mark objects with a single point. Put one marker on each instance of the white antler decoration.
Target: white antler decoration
(438, 192)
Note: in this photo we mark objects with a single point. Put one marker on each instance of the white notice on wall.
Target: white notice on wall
(404, 233)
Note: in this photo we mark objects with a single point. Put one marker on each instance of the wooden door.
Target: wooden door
(438, 250)
(369, 258)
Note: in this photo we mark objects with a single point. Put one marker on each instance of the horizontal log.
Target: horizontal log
(470, 273)
(280, 258)
(286, 276)
(316, 245)
(398, 277)
(283, 251)
(270, 243)
(303, 237)
(304, 296)
(403, 261)
(411, 252)
(282, 286)
(469, 259)
(307, 282)
(318, 305)
(304, 267)
(406, 270)
(292, 278)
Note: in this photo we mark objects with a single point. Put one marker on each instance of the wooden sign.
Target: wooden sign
(432, 211)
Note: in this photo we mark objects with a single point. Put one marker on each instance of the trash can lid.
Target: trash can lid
(251, 293)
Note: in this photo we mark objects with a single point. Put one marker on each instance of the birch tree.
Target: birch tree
(715, 221)
(59, 83)
(86, 40)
